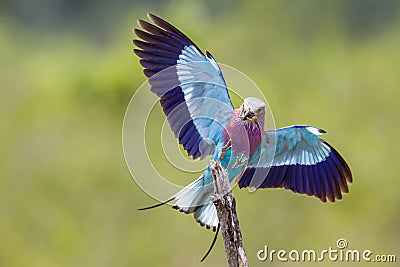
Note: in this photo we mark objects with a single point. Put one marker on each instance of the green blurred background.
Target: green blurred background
(67, 73)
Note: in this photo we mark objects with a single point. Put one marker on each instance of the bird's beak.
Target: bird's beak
(246, 115)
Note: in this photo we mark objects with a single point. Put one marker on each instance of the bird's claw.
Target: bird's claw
(225, 149)
(239, 161)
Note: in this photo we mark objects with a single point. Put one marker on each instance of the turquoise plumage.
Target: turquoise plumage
(195, 99)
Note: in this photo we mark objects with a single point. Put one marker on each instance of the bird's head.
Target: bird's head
(252, 110)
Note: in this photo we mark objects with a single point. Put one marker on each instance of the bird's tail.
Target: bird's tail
(195, 198)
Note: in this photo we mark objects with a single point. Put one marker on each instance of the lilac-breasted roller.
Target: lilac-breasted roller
(195, 99)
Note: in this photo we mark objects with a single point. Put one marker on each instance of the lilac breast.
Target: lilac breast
(245, 136)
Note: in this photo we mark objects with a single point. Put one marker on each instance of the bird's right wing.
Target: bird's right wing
(193, 92)
(296, 158)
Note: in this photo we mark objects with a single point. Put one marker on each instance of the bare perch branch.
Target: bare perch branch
(225, 204)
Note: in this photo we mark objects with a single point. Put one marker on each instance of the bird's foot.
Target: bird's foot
(220, 180)
(225, 149)
(239, 161)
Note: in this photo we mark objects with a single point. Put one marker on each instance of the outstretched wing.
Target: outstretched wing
(303, 163)
(193, 92)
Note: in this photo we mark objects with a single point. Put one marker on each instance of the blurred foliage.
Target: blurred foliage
(67, 73)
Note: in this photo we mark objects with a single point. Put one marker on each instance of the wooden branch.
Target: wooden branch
(225, 204)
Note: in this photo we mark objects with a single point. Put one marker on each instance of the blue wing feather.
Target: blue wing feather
(302, 162)
(189, 83)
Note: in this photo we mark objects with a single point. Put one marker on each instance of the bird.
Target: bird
(195, 100)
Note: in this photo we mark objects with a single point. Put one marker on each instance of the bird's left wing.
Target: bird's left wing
(193, 92)
(296, 158)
